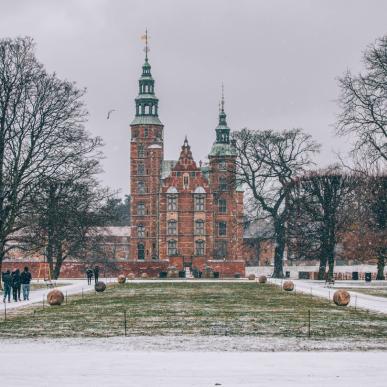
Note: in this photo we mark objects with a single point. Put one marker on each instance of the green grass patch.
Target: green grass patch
(235, 309)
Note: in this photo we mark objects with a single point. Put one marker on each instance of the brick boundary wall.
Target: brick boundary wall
(73, 269)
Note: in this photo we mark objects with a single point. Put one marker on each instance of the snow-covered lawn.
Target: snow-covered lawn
(85, 363)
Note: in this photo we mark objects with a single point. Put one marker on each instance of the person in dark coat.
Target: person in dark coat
(7, 282)
(96, 274)
(25, 279)
(89, 275)
(16, 285)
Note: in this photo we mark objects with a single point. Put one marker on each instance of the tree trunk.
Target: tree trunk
(59, 261)
(1, 265)
(323, 267)
(382, 253)
(279, 251)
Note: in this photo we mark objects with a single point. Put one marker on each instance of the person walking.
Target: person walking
(96, 274)
(16, 285)
(7, 282)
(89, 275)
(25, 280)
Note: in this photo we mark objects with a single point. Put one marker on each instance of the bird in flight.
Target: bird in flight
(109, 113)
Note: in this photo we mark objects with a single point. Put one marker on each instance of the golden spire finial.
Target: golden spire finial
(146, 48)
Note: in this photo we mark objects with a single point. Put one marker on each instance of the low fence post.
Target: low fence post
(308, 322)
(66, 297)
(43, 302)
(125, 322)
(5, 311)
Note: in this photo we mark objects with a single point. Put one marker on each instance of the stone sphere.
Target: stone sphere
(172, 272)
(341, 297)
(262, 279)
(121, 279)
(144, 275)
(131, 276)
(100, 287)
(55, 297)
(251, 277)
(288, 286)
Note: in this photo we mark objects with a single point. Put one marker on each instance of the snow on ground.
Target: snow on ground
(27, 363)
(71, 287)
(317, 288)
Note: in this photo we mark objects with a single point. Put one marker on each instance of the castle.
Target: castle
(190, 215)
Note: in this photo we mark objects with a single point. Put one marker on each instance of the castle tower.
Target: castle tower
(146, 156)
(227, 197)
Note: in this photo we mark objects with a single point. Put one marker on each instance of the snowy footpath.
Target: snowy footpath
(36, 364)
(68, 287)
(358, 300)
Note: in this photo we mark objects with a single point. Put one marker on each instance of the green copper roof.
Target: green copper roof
(221, 149)
(146, 120)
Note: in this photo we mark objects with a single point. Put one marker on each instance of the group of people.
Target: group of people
(90, 273)
(16, 282)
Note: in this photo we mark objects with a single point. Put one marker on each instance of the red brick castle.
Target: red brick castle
(187, 214)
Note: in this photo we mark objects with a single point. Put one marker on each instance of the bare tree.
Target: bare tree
(41, 132)
(267, 163)
(321, 208)
(363, 102)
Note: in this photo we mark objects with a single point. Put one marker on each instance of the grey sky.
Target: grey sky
(278, 60)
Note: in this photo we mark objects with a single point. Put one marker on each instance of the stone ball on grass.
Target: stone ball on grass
(172, 272)
(131, 276)
(55, 297)
(144, 275)
(288, 286)
(100, 287)
(251, 277)
(121, 279)
(262, 279)
(341, 297)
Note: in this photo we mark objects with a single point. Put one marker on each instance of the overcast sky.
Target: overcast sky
(279, 61)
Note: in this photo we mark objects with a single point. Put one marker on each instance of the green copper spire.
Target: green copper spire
(146, 101)
(222, 130)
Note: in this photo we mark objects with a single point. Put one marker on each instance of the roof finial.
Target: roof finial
(146, 48)
(222, 103)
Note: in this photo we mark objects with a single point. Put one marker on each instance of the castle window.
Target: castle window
(172, 202)
(141, 209)
(220, 250)
(222, 183)
(141, 187)
(172, 227)
(145, 132)
(140, 231)
(222, 206)
(199, 227)
(141, 251)
(135, 133)
(172, 249)
(222, 229)
(185, 181)
(222, 165)
(199, 247)
(140, 151)
(199, 202)
(140, 169)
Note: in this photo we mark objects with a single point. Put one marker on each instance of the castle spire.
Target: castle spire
(222, 130)
(146, 101)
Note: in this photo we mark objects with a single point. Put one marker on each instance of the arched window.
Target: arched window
(199, 227)
(172, 249)
(222, 206)
(141, 187)
(140, 251)
(140, 231)
(172, 227)
(199, 247)
(141, 209)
